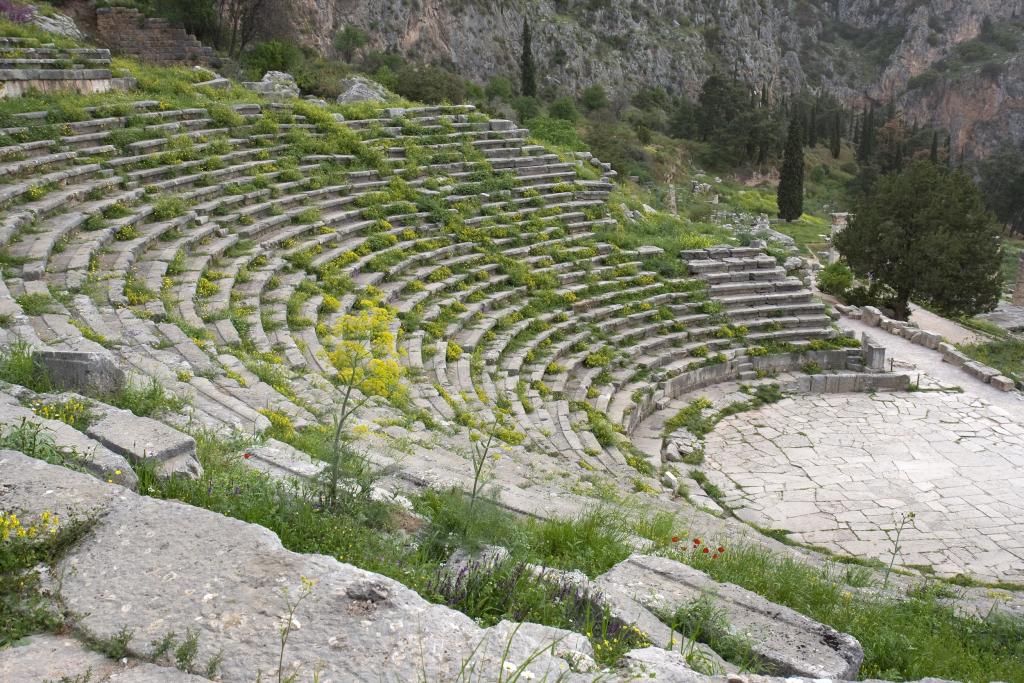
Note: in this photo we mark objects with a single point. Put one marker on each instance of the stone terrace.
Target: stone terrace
(213, 251)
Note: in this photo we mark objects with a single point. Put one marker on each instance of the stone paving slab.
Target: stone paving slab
(841, 471)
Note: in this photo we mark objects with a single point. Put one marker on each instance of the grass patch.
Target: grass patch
(17, 366)
(146, 400)
(915, 638)
(36, 303)
(1006, 355)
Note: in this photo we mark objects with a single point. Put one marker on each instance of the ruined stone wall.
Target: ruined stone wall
(1018, 293)
(156, 40)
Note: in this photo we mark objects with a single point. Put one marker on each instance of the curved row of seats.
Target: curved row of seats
(216, 252)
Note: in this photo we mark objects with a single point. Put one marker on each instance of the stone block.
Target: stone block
(871, 316)
(141, 438)
(791, 643)
(1002, 383)
(91, 456)
(930, 340)
(85, 372)
(980, 370)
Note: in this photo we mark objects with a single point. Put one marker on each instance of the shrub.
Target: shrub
(526, 107)
(556, 131)
(835, 279)
(453, 353)
(15, 13)
(563, 108)
(166, 208)
(594, 97)
(273, 55)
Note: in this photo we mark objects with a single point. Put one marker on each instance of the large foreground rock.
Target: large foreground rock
(47, 657)
(791, 643)
(155, 567)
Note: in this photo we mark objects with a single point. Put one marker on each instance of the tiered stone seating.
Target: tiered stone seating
(26, 64)
(214, 253)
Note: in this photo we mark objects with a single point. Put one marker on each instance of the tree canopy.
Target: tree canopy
(1002, 178)
(926, 233)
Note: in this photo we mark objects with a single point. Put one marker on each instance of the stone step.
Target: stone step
(783, 639)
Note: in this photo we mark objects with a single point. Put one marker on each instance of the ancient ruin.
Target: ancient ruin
(222, 253)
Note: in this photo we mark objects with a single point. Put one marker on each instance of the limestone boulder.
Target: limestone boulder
(789, 642)
(620, 607)
(58, 24)
(360, 89)
(154, 567)
(276, 85)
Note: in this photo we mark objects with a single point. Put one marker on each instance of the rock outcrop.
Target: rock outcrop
(359, 89)
(857, 50)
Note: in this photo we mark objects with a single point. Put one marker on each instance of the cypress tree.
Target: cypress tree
(812, 129)
(835, 144)
(866, 150)
(528, 72)
(791, 181)
(935, 148)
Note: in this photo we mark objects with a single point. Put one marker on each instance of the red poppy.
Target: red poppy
(696, 541)
(721, 549)
(675, 539)
(706, 550)
(715, 556)
(246, 455)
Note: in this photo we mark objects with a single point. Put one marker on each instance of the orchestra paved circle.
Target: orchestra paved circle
(843, 470)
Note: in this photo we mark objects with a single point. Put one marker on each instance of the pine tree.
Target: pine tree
(836, 142)
(528, 72)
(934, 156)
(791, 181)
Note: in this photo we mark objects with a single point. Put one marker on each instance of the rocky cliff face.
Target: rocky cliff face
(857, 49)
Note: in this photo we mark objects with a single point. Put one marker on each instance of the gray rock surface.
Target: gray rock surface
(151, 673)
(275, 85)
(87, 372)
(47, 657)
(59, 24)
(156, 566)
(142, 438)
(91, 455)
(664, 666)
(360, 89)
(790, 642)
